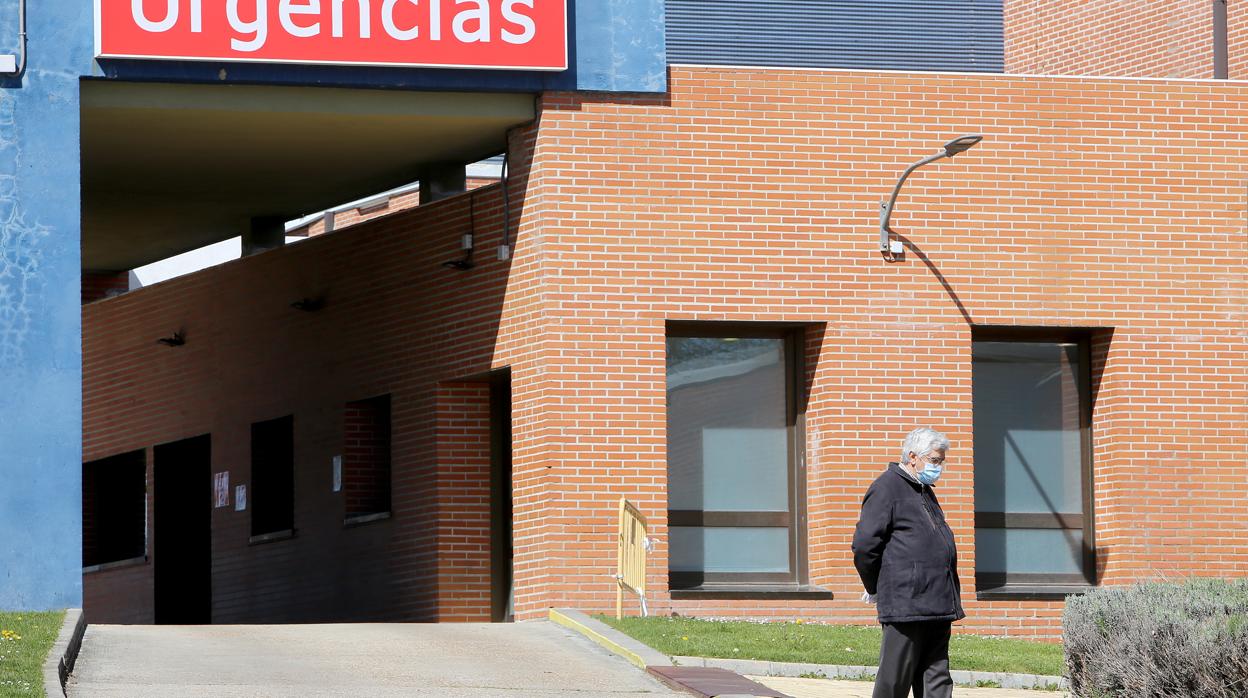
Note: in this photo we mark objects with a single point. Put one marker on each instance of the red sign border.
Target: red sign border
(99, 42)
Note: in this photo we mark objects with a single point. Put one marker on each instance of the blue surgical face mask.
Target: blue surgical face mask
(930, 473)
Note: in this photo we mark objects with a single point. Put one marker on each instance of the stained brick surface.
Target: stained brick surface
(463, 437)
(1141, 38)
(748, 195)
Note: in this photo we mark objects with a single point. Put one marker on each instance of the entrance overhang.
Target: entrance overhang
(167, 168)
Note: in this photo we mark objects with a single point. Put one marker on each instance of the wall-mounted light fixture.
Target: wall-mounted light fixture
(890, 250)
(461, 264)
(176, 339)
(309, 305)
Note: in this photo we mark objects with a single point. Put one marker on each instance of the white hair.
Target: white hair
(922, 441)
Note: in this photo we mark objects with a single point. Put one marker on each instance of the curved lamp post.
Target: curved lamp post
(953, 147)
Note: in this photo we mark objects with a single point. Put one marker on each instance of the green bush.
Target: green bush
(1159, 640)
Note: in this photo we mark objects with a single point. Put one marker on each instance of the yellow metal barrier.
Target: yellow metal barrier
(633, 544)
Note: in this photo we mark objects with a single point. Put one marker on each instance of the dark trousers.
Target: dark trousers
(914, 655)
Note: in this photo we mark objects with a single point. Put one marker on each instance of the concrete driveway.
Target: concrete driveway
(534, 660)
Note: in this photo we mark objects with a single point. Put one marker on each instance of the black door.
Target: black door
(182, 529)
(500, 498)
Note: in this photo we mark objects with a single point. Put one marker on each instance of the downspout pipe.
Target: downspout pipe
(505, 177)
(20, 68)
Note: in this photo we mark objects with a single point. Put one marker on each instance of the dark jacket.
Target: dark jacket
(904, 551)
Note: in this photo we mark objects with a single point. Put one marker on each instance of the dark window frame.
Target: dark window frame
(260, 497)
(1001, 585)
(793, 335)
(137, 459)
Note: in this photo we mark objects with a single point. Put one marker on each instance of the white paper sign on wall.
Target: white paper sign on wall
(240, 498)
(337, 473)
(221, 488)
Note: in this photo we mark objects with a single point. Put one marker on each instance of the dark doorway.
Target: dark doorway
(182, 531)
(500, 498)
(273, 476)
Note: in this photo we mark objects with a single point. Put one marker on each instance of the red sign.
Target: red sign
(497, 34)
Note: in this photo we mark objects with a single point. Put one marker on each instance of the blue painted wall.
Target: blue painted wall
(621, 45)
(40, 345)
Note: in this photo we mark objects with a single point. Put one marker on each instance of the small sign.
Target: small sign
(337, 473)
(221, 488)
(240, 498)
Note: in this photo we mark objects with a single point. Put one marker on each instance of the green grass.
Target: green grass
(25, 639)
(826, 644)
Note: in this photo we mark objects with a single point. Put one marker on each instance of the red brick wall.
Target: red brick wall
(395, 322)
(752, 195)
(1142, 38)
(463, 479)
(366, 456)
(747, 195)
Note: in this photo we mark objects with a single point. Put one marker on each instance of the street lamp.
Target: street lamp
(953, 147)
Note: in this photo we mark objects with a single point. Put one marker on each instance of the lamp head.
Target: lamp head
(961, 144)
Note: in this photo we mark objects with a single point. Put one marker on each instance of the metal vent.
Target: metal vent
(946, 35)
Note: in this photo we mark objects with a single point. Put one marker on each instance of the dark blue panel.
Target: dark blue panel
(337, 76)
(948, 35)
(615, 45)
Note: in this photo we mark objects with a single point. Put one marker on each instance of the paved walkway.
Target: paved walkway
(828, 688)
(454, 660)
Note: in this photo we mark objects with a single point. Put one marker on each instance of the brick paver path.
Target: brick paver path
(829, 688)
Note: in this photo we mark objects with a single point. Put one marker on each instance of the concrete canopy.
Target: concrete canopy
(168, 168)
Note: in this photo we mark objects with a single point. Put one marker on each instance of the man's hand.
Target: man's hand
(868, 598)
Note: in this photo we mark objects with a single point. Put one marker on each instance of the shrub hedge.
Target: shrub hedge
(1159, 640)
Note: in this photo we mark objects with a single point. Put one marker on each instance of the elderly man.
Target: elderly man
(905, 555)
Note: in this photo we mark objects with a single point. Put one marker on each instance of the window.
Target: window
(273, 476)
(1032, 412)
(114, 509)
(366, 457)
(733, 481)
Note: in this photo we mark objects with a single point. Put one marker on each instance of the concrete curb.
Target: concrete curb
(640, 655)
(835, 671)
(64, 653)
(644, 656)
